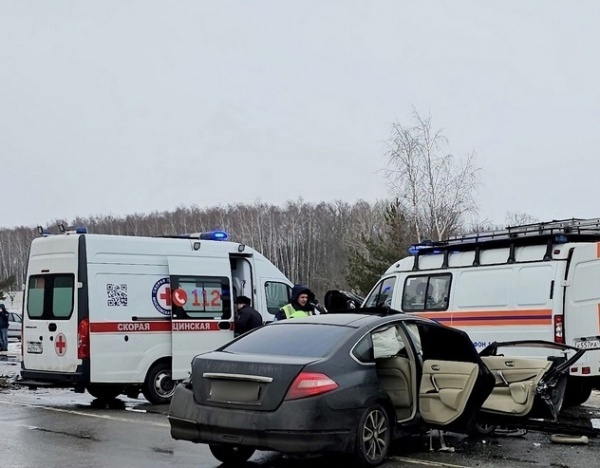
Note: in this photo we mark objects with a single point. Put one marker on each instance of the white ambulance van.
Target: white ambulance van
(531, 282)
(122, 314)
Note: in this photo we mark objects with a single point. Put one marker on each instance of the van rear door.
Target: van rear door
(582, 307)
(50, 324)
(201, 305)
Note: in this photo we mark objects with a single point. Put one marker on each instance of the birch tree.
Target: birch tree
(436, 188)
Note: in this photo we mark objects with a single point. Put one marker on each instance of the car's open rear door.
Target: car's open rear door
(454, 381)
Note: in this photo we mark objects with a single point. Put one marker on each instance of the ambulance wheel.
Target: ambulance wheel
(103, 392)
(159, 387)
(233, 454)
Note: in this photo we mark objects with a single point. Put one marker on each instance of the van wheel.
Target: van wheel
(103, 392)
(233, 454)
(373, 437)
(576, 393)
(159, 386)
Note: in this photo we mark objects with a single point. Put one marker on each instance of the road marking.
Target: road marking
(416, 461)
(81, 413)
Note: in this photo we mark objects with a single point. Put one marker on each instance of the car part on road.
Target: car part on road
(569, 439)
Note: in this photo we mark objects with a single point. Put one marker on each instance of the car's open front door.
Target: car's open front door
(454, 381)
(528, 387)
(201, 305)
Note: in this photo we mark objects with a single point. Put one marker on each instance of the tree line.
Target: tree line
(311, 243)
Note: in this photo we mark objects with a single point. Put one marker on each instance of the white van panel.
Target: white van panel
(538, 279)
(482, 289)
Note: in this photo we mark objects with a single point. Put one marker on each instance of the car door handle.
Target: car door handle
(509, 363)
(501, 375)
(52, 327)
(434, 383)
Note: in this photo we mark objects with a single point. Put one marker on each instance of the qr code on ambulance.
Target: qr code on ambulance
(116, 295)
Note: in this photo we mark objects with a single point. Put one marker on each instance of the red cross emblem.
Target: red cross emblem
(60, 344)
(165, 295)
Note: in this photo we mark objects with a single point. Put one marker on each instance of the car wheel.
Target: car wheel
(103, 392)
(159, 386)
(233, 454)
(373, 438)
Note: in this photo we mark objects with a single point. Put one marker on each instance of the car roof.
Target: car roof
(357, 318)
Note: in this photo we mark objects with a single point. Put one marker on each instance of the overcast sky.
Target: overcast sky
(122, 107)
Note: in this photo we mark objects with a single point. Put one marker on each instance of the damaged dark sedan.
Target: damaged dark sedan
(348, 383)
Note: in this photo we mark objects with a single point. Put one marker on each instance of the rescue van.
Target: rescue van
(536, 281)
(117, 314)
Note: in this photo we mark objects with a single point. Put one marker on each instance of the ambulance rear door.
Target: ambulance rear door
(201, 307)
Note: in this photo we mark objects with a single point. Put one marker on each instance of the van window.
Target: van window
(381, 295)
(426, 292)
(278, 295)
(200, 297)
(50, 297)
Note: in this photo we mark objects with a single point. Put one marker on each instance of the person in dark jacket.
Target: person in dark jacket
(246, 317)
(301, 304)
(3, 328)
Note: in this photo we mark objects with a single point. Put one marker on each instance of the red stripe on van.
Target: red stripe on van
(130, 327)
(155, 326)
(597, 249)
(493, 317)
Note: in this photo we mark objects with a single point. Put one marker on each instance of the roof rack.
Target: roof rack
(546, 233)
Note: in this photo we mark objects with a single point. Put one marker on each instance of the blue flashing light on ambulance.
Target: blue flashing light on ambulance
(538, 281)
(118, 315)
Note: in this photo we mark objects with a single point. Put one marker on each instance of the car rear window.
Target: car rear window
(302, 340)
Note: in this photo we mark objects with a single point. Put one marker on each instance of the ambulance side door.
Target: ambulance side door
(201, 308)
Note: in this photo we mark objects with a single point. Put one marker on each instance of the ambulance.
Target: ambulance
(536, 281)
(118, 315)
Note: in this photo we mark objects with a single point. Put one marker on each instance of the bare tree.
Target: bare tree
(436, 188)
(516, 219)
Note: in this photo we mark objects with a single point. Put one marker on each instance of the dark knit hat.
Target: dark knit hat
(243, 300)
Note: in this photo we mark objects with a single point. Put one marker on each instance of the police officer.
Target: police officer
(300, 304)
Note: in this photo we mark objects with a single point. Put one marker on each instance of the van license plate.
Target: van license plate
(34, 347)
(587, 344)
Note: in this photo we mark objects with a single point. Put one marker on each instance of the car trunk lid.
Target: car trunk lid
(244, 381)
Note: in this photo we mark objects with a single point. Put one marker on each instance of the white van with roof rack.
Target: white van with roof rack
(537, 281)
(115, 314)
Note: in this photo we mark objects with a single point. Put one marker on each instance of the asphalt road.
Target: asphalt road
(58, 428)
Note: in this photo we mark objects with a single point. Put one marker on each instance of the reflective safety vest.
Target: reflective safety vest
(290, 312)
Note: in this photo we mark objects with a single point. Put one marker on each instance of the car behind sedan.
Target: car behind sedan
(14, 325)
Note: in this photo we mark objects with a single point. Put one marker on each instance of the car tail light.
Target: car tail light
(310, 384)
(83, 339)
(559, 336)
